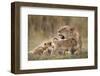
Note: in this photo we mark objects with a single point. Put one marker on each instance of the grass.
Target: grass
(84, 54)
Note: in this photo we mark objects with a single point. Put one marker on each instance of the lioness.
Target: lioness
(69, 32)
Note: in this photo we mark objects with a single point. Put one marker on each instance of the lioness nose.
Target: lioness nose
(61, 36)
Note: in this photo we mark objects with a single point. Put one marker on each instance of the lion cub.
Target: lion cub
(45, 49)
(63, 45)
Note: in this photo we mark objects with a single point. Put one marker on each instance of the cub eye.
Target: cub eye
(44, 43)
(62, 37)
(50, 43)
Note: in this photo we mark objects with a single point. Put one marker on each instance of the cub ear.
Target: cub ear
(72, 29)
(55, 39)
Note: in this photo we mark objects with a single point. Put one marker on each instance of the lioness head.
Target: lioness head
(65, 32)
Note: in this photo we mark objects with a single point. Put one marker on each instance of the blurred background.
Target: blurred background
(42, 28)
